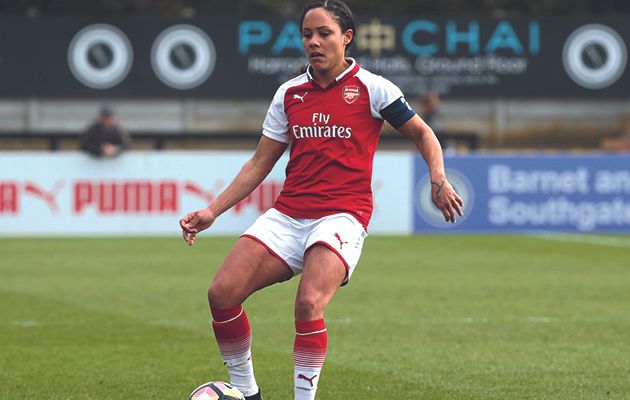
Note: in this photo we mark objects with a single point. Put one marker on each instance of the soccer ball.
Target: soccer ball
(216, 390)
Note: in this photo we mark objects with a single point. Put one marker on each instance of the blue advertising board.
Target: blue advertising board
(514, 193)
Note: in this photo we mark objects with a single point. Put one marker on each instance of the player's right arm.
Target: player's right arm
(250, 176)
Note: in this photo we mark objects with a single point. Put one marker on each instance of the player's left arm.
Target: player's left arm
(443, 195)
(390, 104)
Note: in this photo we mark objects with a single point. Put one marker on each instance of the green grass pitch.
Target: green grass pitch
(424, 317)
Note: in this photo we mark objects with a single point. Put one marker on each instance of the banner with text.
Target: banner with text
(581, 193)
(147, 193)
(223, 57)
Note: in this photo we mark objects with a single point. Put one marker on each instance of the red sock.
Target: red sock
(309, 353)
(233, 334)
(234, 337)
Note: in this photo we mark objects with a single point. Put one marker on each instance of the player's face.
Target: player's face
(323, 41)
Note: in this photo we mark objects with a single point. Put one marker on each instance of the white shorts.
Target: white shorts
(289, 238)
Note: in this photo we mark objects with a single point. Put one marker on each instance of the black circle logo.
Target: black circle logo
(183, 56)
(100, 56)
(594, 56)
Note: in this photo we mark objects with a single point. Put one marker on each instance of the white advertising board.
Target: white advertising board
(146, 193)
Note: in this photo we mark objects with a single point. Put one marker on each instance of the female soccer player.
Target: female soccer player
(332, 116)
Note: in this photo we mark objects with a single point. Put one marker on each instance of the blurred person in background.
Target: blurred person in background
(618, 143)
(332, 115)
(105, 137)
(429, 110)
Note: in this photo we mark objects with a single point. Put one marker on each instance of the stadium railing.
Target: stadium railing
(162, 141)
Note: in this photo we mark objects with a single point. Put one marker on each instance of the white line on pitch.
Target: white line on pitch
(613, 241)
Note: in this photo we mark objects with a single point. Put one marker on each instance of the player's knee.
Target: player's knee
(220, 297)
(308, 307)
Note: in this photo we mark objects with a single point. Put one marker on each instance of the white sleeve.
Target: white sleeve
(382, 92)
(276, 125)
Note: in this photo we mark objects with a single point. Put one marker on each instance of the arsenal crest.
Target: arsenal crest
(351, 93)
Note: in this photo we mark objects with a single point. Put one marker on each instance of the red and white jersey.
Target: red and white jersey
(333, 134)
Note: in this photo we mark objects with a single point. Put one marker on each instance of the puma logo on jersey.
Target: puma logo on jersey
(307, 379)
(341, 242)
(301, 98)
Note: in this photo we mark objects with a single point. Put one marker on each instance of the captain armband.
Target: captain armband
(398, 112)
